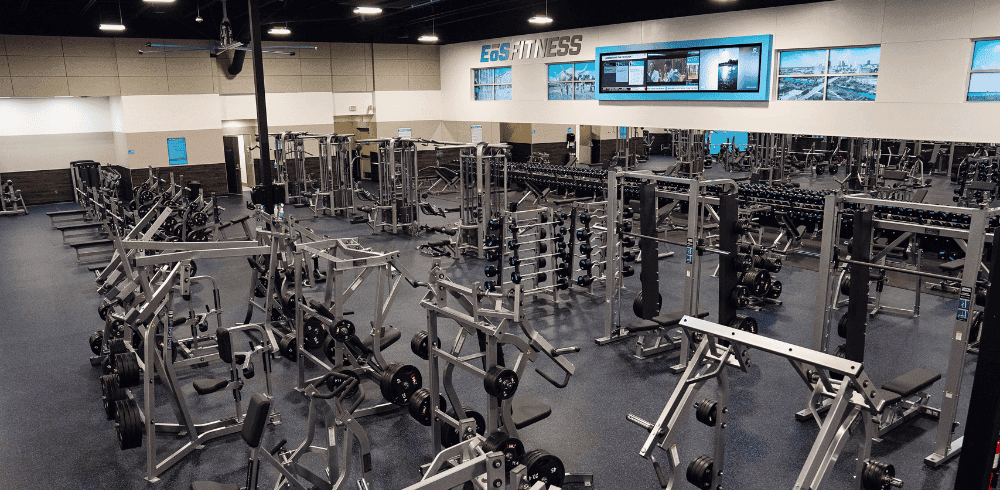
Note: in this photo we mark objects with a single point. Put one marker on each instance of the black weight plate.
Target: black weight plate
(419, 406)
(775, 291)
(96, 339)
(128, 424)
(699, 472)
(637, 305)
(450, 436)
(127, 369)
(511, 447)
(543, 467)
(707, 412)
(500, 382)
(314, 333)
(288, 347)
(399, 382)
(342, 330)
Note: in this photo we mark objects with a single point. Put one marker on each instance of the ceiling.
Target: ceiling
(401, 21)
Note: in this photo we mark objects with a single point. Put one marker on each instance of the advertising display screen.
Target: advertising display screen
(709, 69)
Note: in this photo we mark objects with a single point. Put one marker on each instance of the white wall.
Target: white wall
(39, 134)
(926, 55)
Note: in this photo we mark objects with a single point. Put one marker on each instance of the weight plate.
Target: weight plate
(418, 345)
(342, 330)
(699, 472)
(399, 382)
(543, 467)
(128, 424)
(450, 436)
(96, 339)
(500, 382)
(419, 406)
(511, 447)
(333, 382)
(707, 412)
(288, 347)
(127, 369)
(313, 332)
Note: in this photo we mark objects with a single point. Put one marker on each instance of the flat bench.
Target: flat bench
(83, 249)
(664, 320)
(64, 216)
(909, 384)
(900, 407)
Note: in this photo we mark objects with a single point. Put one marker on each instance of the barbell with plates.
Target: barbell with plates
(879, 476)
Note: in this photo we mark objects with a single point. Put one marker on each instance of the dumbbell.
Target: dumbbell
(517, 277)
(587, 264)
(584, 281)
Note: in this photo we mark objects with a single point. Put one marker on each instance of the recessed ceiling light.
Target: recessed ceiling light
(112, 27)
(281, 31)
(540, 19)
(428, 38)
(367, 10)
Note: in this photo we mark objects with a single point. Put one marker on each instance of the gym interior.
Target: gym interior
(510, 244)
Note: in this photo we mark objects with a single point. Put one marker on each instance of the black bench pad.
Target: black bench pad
(210, 385)
(664, 320)
(66, 213)
(954, 265)
(79, 226)
(90, 243)
(912, 382)
(390, 337)
(527, 410)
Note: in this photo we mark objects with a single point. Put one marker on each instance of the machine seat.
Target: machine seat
(390, 337)
(210, 385)
(527, 410)
(909, 384)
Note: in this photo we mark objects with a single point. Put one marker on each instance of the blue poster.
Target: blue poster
(177, 151)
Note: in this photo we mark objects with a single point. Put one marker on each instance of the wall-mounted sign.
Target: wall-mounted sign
(549, 47)
(177, 151)
(477, 133)
(405, 133)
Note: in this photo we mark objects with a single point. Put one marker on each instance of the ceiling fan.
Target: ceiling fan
(226, 43)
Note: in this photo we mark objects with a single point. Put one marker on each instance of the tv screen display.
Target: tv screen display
(708, 69)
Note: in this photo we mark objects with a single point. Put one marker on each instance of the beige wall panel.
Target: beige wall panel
(129, 47)
(142, 67)
(189, 67)
(349, 84)
(91, 67)
(144, 85)
(94, 86)
(984, 20)
(4, 70)
(389, 68)
(238, 85)
(33, 45)
(322, 51)
(281, 66)
(423, 68)
(31, 66)
(40, 86)
(344, 67)
(926, 20)
(203, 146)
(391, 52)
(425, 83)
(3, 47)
(392, 83)
(317, 84)
(282, 84)
(6, 88)
(190, 85)
(351, 51)
(423, 52)
(188, 42)
(315, 66)
(90, 47)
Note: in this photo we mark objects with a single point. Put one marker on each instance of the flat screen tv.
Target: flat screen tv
(708, 69)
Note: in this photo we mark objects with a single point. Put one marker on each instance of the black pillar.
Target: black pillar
(258, 82)
(728, 212)
(650, 274)
(857, 311)
(982, 427)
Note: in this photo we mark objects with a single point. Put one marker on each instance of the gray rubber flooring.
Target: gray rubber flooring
(54, 433)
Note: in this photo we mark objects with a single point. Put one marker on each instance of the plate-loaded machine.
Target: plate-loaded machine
(970, 229)
(719, 206)
(335, 193)
(461, 430)
(155, 317)
(11, 202)
(845, 383)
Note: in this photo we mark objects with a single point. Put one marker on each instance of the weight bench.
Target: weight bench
(391, 336)
(950, 268)
(653, 326)
(446, 175)
(66, 216)
(526, 410)
(900, 408)
(83, 248)
(76, 230)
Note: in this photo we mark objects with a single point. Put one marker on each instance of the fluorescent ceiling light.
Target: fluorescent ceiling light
(112, 27)
(428, 38)
(158, 1)
(540, 19)
(368, 10)
(279, 30)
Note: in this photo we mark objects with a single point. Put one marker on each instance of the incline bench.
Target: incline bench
(900, 409)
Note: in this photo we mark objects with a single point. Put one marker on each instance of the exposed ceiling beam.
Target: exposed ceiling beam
(90, 3)
(24, 5)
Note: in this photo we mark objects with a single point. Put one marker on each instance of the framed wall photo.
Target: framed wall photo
(177, 151)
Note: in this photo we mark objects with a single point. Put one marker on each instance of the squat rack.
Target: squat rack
(971, 239)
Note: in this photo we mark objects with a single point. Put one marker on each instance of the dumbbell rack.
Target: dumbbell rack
(590, 225)
(544, 239)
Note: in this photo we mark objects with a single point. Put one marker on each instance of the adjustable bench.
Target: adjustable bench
(900, 409)
(954, 267)
(447, 176)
